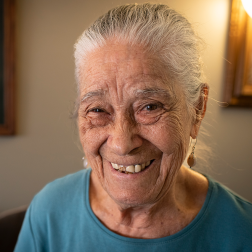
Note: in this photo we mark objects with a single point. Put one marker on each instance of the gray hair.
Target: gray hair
(164, 32)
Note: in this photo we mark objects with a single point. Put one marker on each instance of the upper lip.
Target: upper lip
(136, 163)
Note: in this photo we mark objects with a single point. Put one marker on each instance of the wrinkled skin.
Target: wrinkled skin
(131, 112)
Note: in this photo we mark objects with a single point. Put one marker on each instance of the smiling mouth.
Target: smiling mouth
(132, 168)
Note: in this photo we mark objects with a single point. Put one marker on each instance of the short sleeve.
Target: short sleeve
(26, 241)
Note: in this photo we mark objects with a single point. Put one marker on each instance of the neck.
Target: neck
(166, 216)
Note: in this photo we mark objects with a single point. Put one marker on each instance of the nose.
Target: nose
(123, 137)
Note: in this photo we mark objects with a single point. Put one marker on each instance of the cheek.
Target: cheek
(91, 137)
(181, 133)
(168, 134)
(177, 130)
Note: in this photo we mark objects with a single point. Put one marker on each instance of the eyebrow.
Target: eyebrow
(91, 94)
(138, 93)
(152, 92)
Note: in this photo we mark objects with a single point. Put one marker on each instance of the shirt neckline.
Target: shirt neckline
(185, 231)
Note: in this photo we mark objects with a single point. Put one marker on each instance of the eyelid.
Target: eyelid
(95, 108)
(95, 105)
(155, 103)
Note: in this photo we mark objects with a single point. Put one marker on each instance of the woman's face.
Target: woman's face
(130, 114)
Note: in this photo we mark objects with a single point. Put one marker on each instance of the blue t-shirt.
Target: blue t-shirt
(60, 219)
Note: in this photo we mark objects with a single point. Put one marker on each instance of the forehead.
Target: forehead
(120, 65)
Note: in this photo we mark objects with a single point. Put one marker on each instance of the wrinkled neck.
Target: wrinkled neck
(165, 216)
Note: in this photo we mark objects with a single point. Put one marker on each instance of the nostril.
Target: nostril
(134, 151)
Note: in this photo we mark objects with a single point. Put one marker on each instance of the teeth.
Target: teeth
(115, 166)
(142, 166)
(138, 168)
(122, 168)
(130, 168)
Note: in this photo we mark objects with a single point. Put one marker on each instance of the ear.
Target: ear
(199, 110)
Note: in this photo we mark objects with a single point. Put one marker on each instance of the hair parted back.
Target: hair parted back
(164, 32)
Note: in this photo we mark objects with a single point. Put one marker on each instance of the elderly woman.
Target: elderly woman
(141, 100)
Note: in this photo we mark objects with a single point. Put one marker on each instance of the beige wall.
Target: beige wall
(46, 145)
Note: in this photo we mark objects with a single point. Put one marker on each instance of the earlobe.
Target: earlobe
(195, 130)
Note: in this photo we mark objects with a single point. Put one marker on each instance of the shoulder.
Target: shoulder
(66, 182)
(61, 192)
(53, 212)
(228, 200)
(231, 214)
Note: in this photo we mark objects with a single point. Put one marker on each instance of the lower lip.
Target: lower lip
(121, 174)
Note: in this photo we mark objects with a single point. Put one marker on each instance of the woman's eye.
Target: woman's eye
(96, 110)
(98, 116)
(151, 107)
(149, 113)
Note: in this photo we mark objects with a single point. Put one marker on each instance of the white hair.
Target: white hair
(163, 31)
